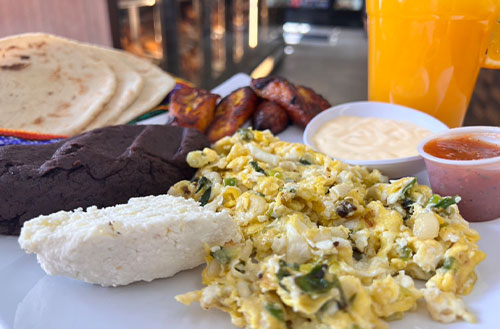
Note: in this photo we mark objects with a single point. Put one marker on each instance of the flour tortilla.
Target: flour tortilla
(48, 85)
(129, 86)
(157, 84)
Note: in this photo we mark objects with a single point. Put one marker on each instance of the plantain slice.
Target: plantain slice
(301, 103)
(313, 99)
(232, 112)
(193, 108)
(270, 115)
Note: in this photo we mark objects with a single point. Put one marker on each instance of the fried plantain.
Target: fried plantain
(312, 98)
(270, 115)
(232, 112)
(275, 89)
(193, 108)
(301, 103)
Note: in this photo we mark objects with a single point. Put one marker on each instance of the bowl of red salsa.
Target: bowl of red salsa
(466, 162)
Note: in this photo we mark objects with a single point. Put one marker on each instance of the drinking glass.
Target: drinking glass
(426, 54)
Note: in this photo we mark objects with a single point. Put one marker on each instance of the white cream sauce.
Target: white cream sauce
(366, 138)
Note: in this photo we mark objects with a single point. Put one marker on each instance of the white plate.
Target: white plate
(31, 299)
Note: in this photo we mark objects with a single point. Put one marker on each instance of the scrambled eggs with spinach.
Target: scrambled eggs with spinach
(326, 245)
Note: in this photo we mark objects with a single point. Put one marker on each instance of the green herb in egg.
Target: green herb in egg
(408, 187)
(304, 161)
(221, 255)
(405, 253)
(230, 181)
(315, 281)
(246, 134)
(203, 182)
(275, 311)
(450, 263)
(437, 201)
(257, 168)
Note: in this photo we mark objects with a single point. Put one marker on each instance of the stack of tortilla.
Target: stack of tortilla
(53, 85)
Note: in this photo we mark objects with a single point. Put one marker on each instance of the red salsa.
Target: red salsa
(464, 147)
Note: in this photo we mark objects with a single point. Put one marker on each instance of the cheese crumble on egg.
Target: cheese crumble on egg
(325, 244)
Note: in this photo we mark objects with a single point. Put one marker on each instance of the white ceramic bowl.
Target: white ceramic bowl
(394, 168)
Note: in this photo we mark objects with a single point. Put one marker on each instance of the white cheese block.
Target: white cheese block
(147, 238)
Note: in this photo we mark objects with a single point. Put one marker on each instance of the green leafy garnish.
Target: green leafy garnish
(407, 202)
(355, 326)
(439, 202)
(206, 185)
(314, 281)
(205, 196)
(450, 263)
(275, 173)
(222, 256)
(407, 205)
(283, 270)
(405, 253)
(304, 161)
(275, 311)
(257, 168)
(203, 183)
(408, 187)
(246, 134)
(230, 181)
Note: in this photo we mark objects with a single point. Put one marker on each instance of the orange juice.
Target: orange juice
(426, 54)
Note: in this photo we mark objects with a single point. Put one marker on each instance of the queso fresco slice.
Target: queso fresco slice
(147, 238)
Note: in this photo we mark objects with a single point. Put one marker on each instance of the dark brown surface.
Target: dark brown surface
(232, 112)
(114, 23)
(270, 116)
(102, 167)
(484, 109)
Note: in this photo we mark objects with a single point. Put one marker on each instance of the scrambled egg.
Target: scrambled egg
(326, 245)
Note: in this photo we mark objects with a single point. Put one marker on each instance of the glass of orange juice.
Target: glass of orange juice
(426, 54)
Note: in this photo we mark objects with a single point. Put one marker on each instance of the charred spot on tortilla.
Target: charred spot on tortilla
(14, 67)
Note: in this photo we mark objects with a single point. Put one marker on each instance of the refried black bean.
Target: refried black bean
(102, 167)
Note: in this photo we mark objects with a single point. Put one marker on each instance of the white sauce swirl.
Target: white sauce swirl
(366, 138)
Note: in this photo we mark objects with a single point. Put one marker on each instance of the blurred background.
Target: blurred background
(318, 43)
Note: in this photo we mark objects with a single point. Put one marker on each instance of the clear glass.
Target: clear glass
(426, 54)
